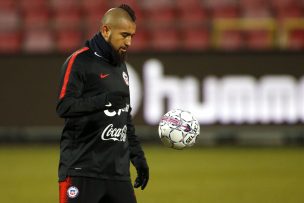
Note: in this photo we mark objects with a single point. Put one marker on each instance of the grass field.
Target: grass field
(28, 174)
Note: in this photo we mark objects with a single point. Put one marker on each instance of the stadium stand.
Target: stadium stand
(38, 41)
(164, 25)
(8, 4)
(255, 9)
(39, 18)
(192, 16)
(68, 40)
(140, 41)
(160, 17)
(258, 39)
(10, 42)
(195, 39)
(33, 5)
(165, 39)
(10, 23)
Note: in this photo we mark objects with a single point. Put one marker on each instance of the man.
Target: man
(98, 140)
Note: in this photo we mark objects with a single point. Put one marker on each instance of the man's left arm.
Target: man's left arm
(137, 155)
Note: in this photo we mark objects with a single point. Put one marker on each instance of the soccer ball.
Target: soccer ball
(178, 129)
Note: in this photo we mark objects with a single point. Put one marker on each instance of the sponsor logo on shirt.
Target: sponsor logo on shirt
(97, 54)
(126, 78)
(115, 134)
(112, 113)
(102, 76)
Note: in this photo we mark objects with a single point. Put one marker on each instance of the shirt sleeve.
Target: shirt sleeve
(136, 152)
(70, 100)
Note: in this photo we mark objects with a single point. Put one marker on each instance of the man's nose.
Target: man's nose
(128, 41)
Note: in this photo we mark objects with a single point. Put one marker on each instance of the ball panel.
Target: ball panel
(186, 116)
(189, 139)
(176, 135)
(164, 130)
(178, 145)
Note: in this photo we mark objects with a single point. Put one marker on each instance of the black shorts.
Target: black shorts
(93, 190)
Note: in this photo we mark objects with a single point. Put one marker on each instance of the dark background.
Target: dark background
(29, 83)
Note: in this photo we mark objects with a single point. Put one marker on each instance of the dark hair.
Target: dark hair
(129, 10)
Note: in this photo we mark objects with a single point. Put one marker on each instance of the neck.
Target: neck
(104, 49)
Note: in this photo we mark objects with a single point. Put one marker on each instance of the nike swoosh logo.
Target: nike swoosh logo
(108, 105)
(102, 76)
(97, 54)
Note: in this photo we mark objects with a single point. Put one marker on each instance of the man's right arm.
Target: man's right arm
(70, 101)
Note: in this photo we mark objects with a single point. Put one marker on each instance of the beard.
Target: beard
(122, 55)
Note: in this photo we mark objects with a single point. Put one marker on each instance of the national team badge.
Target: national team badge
(126, 78)
(73, 192)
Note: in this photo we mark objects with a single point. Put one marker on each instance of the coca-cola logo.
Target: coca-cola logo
(115, 134)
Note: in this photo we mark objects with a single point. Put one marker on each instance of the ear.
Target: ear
(105, 31)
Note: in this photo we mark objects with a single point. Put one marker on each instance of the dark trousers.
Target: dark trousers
(92, 190)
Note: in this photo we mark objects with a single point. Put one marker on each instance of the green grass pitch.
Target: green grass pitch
(28, 174)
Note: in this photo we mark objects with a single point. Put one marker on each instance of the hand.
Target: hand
(117, 99)
(142, 175)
